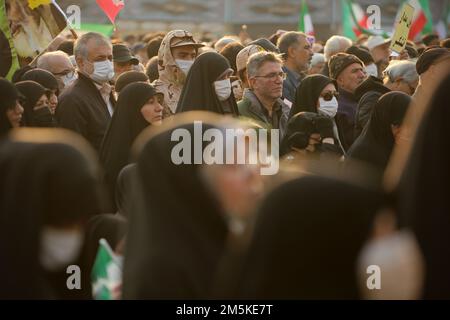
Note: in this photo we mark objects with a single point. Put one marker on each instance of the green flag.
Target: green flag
(428, 28)
(305, 22)
(105, 29)
(106, 273)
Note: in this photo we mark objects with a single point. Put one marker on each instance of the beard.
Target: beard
(31, 39)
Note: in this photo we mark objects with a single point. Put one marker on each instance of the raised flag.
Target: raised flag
(106, 275)
(354, 20)
(27, 28)
(111, 8)
(422, 22)
(305, 22)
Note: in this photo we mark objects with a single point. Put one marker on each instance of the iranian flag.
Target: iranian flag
(422, 22)
(106, 275)
(354, 19)
(305, 23)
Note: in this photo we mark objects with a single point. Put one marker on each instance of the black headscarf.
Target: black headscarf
(308, 93)
(8, 98)
(301, 126)
(126, 124)
(198, 92)
(129, 77)
(124, 189)
(111, 227)
(307, 239)
(48, 179)
(43, 77)
(376, 142)
(177, 236)
(33, 91)
(423, 194)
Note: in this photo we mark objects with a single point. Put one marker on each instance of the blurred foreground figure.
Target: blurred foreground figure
(304, 247)
(43, 211)
(423, 193)
(185, 212)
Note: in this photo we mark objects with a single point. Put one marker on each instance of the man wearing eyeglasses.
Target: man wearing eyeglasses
(297, 54)
(58, 63)
(176, 55)
(262, 102)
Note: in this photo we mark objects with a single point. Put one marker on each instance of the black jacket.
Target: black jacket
(82, 109)
(367, 94)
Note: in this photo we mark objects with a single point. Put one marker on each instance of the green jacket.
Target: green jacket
(250, 107)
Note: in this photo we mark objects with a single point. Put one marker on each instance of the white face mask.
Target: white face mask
(184, 65)
(328, 108)
(223, 89)
(103, 71)
(59, 247)
(67, 80)
(372, 70)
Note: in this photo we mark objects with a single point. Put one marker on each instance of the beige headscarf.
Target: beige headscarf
(171, 78)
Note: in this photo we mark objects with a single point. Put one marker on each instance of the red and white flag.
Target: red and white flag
(111, 8)
(419, 20)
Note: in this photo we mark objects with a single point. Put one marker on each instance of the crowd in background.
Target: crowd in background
(86, 152)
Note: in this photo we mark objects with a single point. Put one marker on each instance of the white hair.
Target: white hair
(80, 47)
(45, 61)
(401, 69)
(317, 58)
(336, 44)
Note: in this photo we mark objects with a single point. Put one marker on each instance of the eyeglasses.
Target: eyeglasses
(327, 96)
(273, 76)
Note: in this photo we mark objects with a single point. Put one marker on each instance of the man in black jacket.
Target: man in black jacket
(367, 94)
(87, 105)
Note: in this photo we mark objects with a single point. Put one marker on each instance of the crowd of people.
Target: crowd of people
(86, 153)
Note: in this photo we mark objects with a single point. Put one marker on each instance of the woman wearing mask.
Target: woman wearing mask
(208, 86)
(37, 106)
(11, 111)
(48, 81)
(374, 145)
(139, 106)
(43, 211)
(318, 94)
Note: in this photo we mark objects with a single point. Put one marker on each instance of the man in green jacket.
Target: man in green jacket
(262, 102)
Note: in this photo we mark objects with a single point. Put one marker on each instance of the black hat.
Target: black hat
(362, 54)
(429, 57)
(340, 61)
(129, 77)
(121, 53)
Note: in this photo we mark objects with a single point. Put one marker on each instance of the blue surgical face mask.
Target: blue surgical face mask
(184, 65)
(103, 71)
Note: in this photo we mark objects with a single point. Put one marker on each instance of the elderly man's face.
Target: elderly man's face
(351, 77)
(381, 53)
(301, 54)
(61, 66)
(96, 52)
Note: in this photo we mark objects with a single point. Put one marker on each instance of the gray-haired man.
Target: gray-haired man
(262, 102)
(87, 105)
